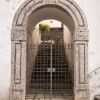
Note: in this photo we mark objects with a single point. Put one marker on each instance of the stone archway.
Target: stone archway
(74, 18)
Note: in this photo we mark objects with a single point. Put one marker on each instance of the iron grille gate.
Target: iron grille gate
(51, 73)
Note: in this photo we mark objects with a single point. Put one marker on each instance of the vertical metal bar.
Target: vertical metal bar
(51, 69)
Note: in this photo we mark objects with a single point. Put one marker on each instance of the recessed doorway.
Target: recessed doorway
(51, 72)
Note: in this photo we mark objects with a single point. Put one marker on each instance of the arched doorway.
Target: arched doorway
(27, 16)
(49, 64)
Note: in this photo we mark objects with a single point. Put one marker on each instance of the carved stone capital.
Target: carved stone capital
(18, 34)
(81, 35)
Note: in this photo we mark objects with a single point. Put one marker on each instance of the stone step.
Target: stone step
(49, 97)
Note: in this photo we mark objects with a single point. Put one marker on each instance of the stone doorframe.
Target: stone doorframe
(19, 45)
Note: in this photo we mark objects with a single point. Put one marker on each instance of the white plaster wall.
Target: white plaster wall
(8, 8)
(95, 80)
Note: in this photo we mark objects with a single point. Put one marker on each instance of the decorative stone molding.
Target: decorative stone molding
(68, 5)
(19, 46)
(81, 35)
(17, 70)
(75, 9)
(18, 33)
(50, 1)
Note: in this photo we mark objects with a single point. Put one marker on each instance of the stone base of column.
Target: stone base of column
(81, 94)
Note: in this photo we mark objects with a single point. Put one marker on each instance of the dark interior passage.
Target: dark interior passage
(51, 73)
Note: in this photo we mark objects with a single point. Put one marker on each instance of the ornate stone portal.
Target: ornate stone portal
(19, 46)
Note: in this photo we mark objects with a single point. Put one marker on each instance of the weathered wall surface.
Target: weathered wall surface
(94, 78)
(7, 11)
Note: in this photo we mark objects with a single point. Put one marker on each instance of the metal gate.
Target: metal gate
(51, 73)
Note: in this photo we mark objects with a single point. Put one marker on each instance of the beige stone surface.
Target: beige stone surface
(8, 9)
(74, 18)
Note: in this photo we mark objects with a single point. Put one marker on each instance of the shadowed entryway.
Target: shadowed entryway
(22, 73)
(51, 73)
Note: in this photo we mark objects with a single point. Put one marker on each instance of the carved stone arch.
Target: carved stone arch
(19, 46)
(21, 16)
(30, 5)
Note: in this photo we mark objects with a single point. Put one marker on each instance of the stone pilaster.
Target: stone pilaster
(18, 63)
(81, 88)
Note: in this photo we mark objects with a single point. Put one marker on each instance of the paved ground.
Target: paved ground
(50, 97)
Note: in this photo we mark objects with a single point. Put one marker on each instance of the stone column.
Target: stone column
(81, 88)
(18, 65)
